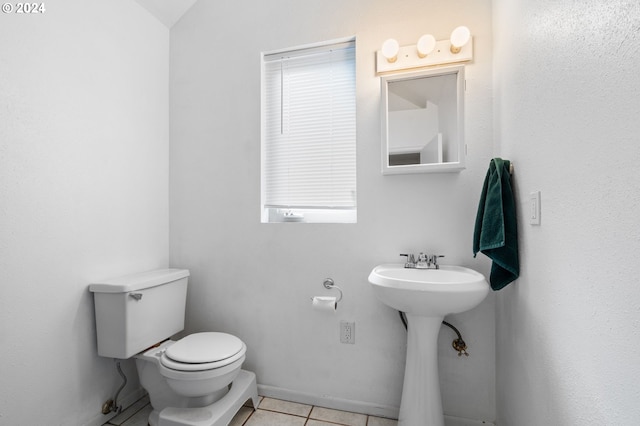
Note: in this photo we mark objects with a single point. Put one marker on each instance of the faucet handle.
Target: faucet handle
(433, 259)
(411, 260)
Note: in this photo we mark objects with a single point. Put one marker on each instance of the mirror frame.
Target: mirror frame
(453, 166)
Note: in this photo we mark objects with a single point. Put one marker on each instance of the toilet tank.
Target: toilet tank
(137, 311)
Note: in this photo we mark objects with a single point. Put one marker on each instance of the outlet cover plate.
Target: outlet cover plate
(347, 332)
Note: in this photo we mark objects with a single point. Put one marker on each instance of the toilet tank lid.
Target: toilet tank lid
(140, 281)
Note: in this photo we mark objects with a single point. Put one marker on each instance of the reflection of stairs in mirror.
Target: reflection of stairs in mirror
(404, 159)
(430, 153)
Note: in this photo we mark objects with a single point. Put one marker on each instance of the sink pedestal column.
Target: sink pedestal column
(421, 403)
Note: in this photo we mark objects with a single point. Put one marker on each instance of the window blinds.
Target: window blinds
(309, 141)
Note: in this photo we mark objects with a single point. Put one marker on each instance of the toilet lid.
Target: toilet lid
(207, 347)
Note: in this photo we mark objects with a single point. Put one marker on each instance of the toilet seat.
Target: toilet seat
(203, 351)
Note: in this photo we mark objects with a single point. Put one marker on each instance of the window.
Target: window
(309, 134)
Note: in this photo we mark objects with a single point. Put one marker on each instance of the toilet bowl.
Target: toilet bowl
(199, 365)
(194, 381)
(195, 371)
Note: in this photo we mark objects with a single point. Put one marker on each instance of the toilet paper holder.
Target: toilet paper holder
(330, 284)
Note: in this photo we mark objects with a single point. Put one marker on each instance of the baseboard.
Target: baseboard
(329, 401)
(461, 421)
(126, 401)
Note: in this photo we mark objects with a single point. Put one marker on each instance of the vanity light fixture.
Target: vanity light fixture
(425, 45)
(390, 50)
(426, 52)
(459, 37)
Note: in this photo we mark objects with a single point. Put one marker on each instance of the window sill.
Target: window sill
(275, 215)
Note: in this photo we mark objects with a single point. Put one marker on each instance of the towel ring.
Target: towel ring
(329, 284)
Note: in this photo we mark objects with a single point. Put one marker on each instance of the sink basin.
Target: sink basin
(426, 296)
(429, 292)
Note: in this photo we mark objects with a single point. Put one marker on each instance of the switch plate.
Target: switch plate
(534, 208)
(347, 332)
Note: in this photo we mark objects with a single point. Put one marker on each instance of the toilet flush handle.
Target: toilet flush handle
(136, 296)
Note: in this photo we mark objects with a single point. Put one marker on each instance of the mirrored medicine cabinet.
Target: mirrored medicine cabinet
(422, 114)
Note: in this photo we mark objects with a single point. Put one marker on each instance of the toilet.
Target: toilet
(194, 381)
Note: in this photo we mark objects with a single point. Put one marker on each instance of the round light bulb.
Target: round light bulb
(459, 37)
(425, 45)
(390, 50)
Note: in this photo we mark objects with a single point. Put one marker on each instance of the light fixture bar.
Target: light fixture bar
(408, 57)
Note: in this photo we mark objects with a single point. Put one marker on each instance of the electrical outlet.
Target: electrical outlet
(347, 332)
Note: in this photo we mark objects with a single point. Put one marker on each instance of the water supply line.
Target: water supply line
(458, 344)
(112, 404)
(117, 407)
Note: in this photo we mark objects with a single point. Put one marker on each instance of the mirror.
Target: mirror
(423, 121)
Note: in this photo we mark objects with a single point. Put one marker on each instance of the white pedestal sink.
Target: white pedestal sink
(426, 296)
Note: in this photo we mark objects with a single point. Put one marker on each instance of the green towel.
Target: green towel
(496, 233)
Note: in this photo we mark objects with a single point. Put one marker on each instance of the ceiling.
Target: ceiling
(167, 11)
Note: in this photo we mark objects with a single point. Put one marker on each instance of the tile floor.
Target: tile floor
(270, 412)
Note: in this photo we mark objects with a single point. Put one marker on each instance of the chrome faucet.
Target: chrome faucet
(411, 261)
(424, 261)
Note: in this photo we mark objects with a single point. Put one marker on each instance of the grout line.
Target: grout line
(282, 412)
(331, 422)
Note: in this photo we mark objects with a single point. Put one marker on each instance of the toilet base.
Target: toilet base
(220, 412)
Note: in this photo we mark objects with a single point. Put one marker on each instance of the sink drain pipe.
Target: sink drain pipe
(458, 344)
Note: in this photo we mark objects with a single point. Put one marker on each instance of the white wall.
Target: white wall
(83, 194)
(255, 280)
(567, 109)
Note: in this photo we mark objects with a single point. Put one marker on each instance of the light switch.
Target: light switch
(534, 208)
